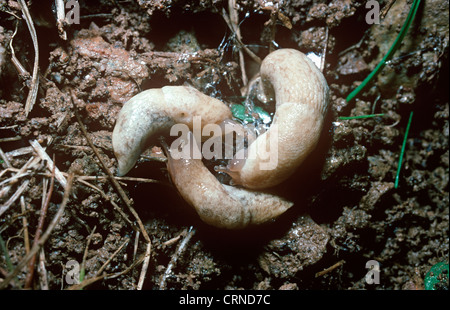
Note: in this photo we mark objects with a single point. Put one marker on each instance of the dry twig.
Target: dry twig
(100, 271)
(44, 237)
(386, 8)
(14, 197)
(26, 238)
(327, 270)
(10, 139)
(107, 198)
(89, 281)
(23, 73)
(4, 191)
(234, 19)
(39, 229)
(242, 45)
(42, 154)
(32, 95)
(60, 18)
(89, 239)
(174, 259)
(122, 194)
(5, 159)
(43, 285)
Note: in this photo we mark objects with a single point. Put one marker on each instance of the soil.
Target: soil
(347, 209)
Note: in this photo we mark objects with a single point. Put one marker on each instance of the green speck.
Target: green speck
(238, 111)
(437, 277)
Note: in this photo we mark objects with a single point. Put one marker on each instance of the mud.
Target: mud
(347, 210)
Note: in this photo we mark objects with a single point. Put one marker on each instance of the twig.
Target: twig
(44, 156)
(147, 256)
(42, 271)
(234, 19)
(107, 198)
(29, 164)
(174, 239)
(82, 177)
(9, 127)
(106, 276)
(136, 243)
(321, 273)
(31, 99)
(10, 139)
(354, 46)
(386, 8)
(39, 229)
(100, 271)
(242, 45)
(60, 17)
(83, 262)
(116, 184)
(324, 55)
(26, 238)
(13, 198)
(20, 69)
(44, 237)
(174, 259)
(12, 180)
(19, 152)
(122, 194)
(134, 264)
(5, 159)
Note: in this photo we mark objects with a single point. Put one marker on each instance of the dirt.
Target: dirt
(347, 209)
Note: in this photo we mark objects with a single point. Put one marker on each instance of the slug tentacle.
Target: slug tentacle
(156, 110)
(301, 94)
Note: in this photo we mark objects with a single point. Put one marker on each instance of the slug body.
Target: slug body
(301, 94)
(218, 204)
(157, 110)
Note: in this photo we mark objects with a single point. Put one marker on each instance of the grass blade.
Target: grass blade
(390, 53)
(399, 166)
(360, 116)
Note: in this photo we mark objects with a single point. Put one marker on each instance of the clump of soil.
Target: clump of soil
(347, 209)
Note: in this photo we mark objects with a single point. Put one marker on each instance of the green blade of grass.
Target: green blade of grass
(390, 53)
(6, 254)
(360, 116)
(403, 150)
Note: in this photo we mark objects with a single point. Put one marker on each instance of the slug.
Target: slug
(157, 110)
(301, 94)
(218, 204)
